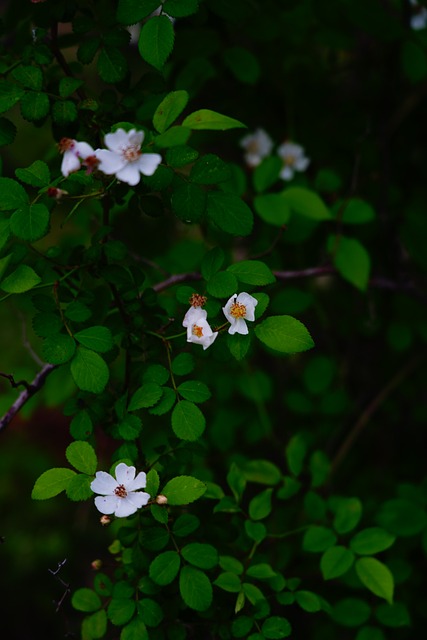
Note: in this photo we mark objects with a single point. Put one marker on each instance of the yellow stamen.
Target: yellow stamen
(238, 310)
(197, 331)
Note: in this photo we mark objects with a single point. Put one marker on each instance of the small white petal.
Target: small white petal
(209, 340)
(148, 163)
(301, 164)
(109, 162)
(125, 474)
(129, 174)
(129, 505)
(117, 141)
(239, 326)
(286, 173)
(135, 137)
(83, 150)
(194, 314)
(139, 482)
(106, 504)
(70, 163)
(104, 483)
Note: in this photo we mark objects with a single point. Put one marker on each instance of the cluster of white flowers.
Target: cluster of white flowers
(122, 158)
(419, 16)
(120, 495)
(238, 309)
(259, 145)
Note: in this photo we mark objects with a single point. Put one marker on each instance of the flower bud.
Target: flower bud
(96, 564)
(161, 499)
(105, 520)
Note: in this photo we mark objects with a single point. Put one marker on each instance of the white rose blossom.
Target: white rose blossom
(258, 146)
(294, 159)
(238, 309)
(73, 152)
(124, 157)
(198, 329)
(120, 495)
(418, 17)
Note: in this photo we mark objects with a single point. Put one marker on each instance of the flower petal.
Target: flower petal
(148, 163)
(83, 150)
(109, 162)
(286, 173)
(117, 141)
(129, 174)
(239, 326)
(193, 315)
(106, 504)
(129, 505)
(208, 340)
(125, 474)
(139, 482)
(135, 137)
(104, 483)
(70, 163)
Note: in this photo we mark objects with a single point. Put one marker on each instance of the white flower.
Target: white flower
(238, 309)
(198, 329)
(258, 145)
(294, 159)
(418, 17)
(73, 152)
(124, 157)
(119, 495)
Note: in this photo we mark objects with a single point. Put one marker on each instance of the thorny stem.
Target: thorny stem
(25, 395)
(13, 383)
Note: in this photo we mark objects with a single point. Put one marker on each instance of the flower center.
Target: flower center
(120, 491)
(238, 310)
(289, 161)
(196, 300)
(131, 153)
(253, 147)
(65, 144)
(197, 331)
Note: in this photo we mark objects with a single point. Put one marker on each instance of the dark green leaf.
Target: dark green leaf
(112, 65)
(335, 562)
(30, 77)
(169, 109)
(7, 132)
(58, 349)
(64, 111)
(156, 41)
(9, 95)
(164, 568)
(34, 106)
(133, 11)
(230, 213)
(97, 338)
(188, 422)
(252, 272)
(86, 600)
(195, 588)
(30, 222)
(89, 371)
(37, 174)
(12, 195)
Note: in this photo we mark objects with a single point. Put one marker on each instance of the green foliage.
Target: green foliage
(156, 41)
(284, 334)
(51, 482)
(183, 490)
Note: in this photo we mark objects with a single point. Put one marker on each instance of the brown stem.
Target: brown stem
(28, 393)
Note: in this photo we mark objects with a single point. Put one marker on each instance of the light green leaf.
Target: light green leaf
(81, 455)
(188, 422)
(228, 581)
(164, 568)
(89, 371)
(261, 472)
(207, 119)
(30, 222)
(256, 531)
(86, 600)
(252, 272)
(156, 41)
(306, 202)
(376, 577)
(260, 505)
(261, 571)
(150, 612)
(79, 488)
(351, 260)
(273, 209)
(229, 213)
(95, 626)
(174, 137)
(58, 349)
(120, 610)
(97, 338)
(135, 630)
(37, 174)
(284, 334)
(308, 601)
(335, 562)
(22, 279)
(169, 109)
(51, 483)
(348, 512)
(371, 540)
(183, 490)
(317, 539)
(195, 588)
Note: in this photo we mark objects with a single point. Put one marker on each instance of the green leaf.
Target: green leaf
(51, 483)
(284, 334)
(169, 109)
(64, 111)
(185, 524)
(121, 610)
(8, 132)
(183, 364)
(81, 426)
(212, 262)
(351, 612)
(243, 64)
(30, 222)
(81, 455)
(229, 213)
(34, 106)
(180, 8)
(164, 568)
(238, 345)
(256, 531)
(261, 472)
(86, 600)
(150, 612)
(95, 626)
(308, 601)
(194, 390)
(351, 260)
(58, 349)
(376, 577)
(357, 211)
(188, 422)
(156, 41)
(306, 202)
(252, 272)
(371, 540)
(195, 588)
(210, 169)
(135, 630)
(370, 633)
(402, 517)
(68, 85)
(260, 505)
(183, 490)
(22, 279)
(203, 556)
(130, 427)
(30, 77)
(228, 581)
(10, 94)
(36, 175)
(241, 626)
(189, 202)
(153, 483)
(207, 119)
(133, 11)
(348, 512)
(12, 195)
(273, 209)
(317, 539)
(89, 371)
(264, 176)
(295, 453)
(97, 338)
(335, 562)
(222, 285)
(146, 396)
(394, 615)
(172, 138)
(47, 324)
(112, 65)
(276, 627)
(261, 571)
(79, 488)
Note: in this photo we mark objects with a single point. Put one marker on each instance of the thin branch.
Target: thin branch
(313, 272)
(367, 414)
(176, 279)
(64, 584)
(25, 395)
(13, 383)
